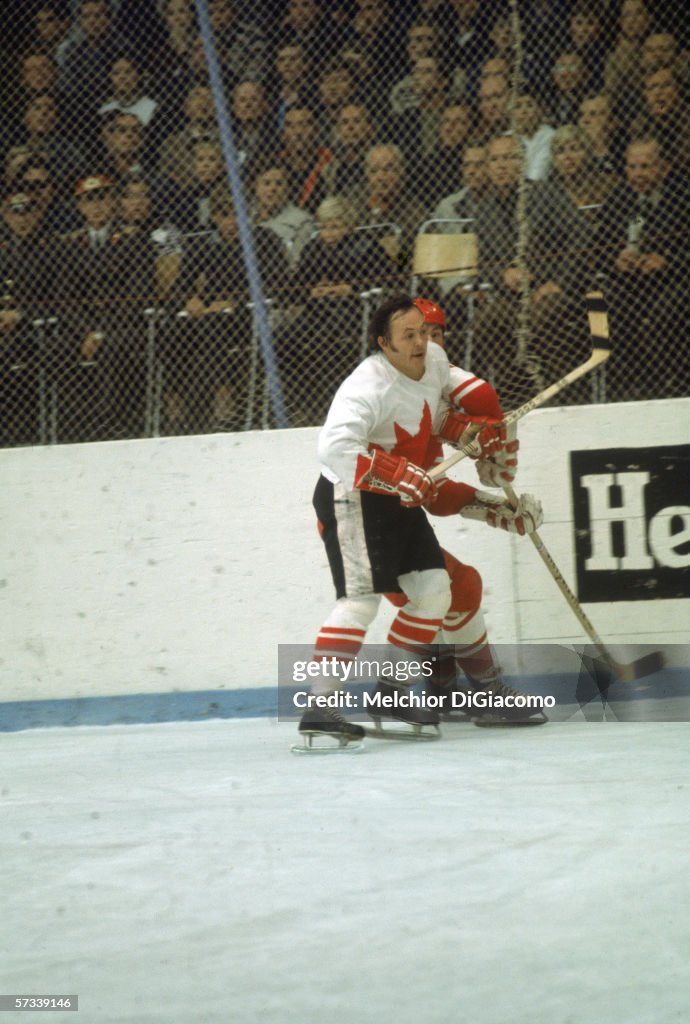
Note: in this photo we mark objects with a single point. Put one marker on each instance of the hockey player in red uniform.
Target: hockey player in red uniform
(465, 651)
(380, 437)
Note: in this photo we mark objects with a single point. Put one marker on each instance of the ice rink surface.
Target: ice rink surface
(202, 873)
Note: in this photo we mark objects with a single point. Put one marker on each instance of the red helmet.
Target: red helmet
(432, 313)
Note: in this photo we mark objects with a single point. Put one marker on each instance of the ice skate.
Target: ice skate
(326, 731)
(454, 696)
(411, 706)
(491, 703)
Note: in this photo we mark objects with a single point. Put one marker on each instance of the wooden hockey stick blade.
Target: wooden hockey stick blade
(626, 672)
(599, 330)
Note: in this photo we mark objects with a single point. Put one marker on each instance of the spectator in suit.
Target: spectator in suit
(176, 153)
(292, 84)
(645, 261)
(661, 50)
(139, 212)
(106, 282)
(353, 137)
(415, 131)
(305, 158)
(470, 42)
(37, 74)
(493, 115)
(36, 177)
(463, 202)
(606, 139)
(272, 208)
(386, 198)
(123, 145)
(622, 70)
(242, 45)
(171, 54)
(253, 128)
(86, 63)
(438, 173)
(26, 290)
(128, 95)
(51, 25)
(423, 40)
(502, 41)
(311, 26)
(336, 90)
(666, 117)
(335, 266)
(501, 224)
(569, 80)
(190, 207)
(207, 361)
(45, 138)
(375, 36)
(588, 37)
(494, 67)
(564, 252)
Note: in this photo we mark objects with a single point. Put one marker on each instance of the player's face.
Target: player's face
(406, 347)
(435, 333)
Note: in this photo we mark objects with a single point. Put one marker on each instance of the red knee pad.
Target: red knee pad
(465, 586)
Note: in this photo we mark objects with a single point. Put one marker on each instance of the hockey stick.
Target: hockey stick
(599, 329)
(645, 666)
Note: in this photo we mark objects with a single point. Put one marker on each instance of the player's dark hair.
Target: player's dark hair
(380, 323)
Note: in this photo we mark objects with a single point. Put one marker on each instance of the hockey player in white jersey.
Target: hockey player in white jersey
(380, 438)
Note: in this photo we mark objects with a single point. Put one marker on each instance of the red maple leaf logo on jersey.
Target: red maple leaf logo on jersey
(414, 446)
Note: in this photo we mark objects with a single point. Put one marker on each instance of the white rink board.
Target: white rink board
(181, 563)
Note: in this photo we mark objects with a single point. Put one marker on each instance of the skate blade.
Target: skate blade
(323, 743)
(407, 732)
(484, 723)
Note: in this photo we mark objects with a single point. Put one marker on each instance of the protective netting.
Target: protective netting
(499, 158)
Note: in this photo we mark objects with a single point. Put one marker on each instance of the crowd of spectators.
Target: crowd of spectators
(353, 122)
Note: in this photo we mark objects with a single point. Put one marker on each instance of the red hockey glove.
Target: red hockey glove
(500, 467)
(384, 473)
(458, 429)
(526, 517)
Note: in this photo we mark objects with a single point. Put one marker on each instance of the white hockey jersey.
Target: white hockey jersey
(379, 407)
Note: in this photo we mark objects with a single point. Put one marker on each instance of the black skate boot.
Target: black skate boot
(454, 697)
(408, 704)
(492, 703)
(452, 691)
(317, 723)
